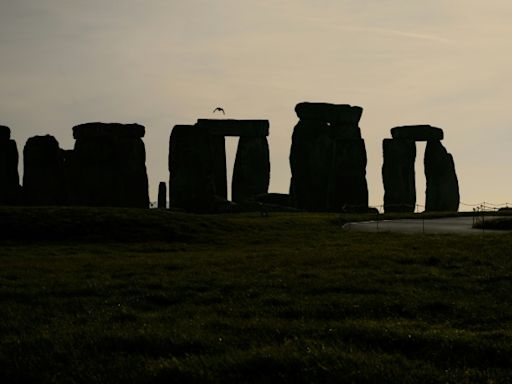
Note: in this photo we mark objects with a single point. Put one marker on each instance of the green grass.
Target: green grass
(116, 296)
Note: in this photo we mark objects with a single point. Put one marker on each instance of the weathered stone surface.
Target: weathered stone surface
(197, 164)
(328, 158)
(417, 133)
(398, 175)
(95, 130)
(162, 195)
(251, 173)
(109, 166)
(348, 190)
(5, 132)
(311, 158)
(342, 113)
(43, 175)
(230, 127)
(220, 177)
(9, 178)
(347, 131)
(442, 185)
(191, 169)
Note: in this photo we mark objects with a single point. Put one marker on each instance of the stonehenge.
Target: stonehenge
(328, 159)
(9, 177)
(197, 163)
(107, 166)
(442, 193)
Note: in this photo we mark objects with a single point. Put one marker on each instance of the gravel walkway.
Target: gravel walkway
(456, 225)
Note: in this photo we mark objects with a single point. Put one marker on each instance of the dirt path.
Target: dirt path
(456, 225)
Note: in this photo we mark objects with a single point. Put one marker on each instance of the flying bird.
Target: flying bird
(220, 109)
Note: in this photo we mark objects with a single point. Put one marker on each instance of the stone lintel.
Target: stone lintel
(332, 113)
(90, 130)
(231, 127)
(417, 133)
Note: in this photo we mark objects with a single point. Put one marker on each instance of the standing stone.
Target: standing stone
(109, 166)
(191, 169)
(9, 178)
(310, 162)
(442, 185)
(197, 163)
(328, 158)
(251, 173)
(162, 195)
(398, 175)
(348, 187)
(220, 177)
(43, 175)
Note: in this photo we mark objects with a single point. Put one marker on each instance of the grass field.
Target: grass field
(139, 296)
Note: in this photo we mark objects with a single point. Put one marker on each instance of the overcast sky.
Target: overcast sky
(447, 63)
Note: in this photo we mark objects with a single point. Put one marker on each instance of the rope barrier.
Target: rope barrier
(482, 206)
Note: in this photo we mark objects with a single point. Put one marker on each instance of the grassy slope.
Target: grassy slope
(147, 296)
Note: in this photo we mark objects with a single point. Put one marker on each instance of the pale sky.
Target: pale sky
(447, 63)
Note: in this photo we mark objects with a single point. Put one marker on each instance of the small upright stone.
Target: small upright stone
(162, 195)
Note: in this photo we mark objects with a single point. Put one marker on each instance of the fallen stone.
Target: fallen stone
(417, 133)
